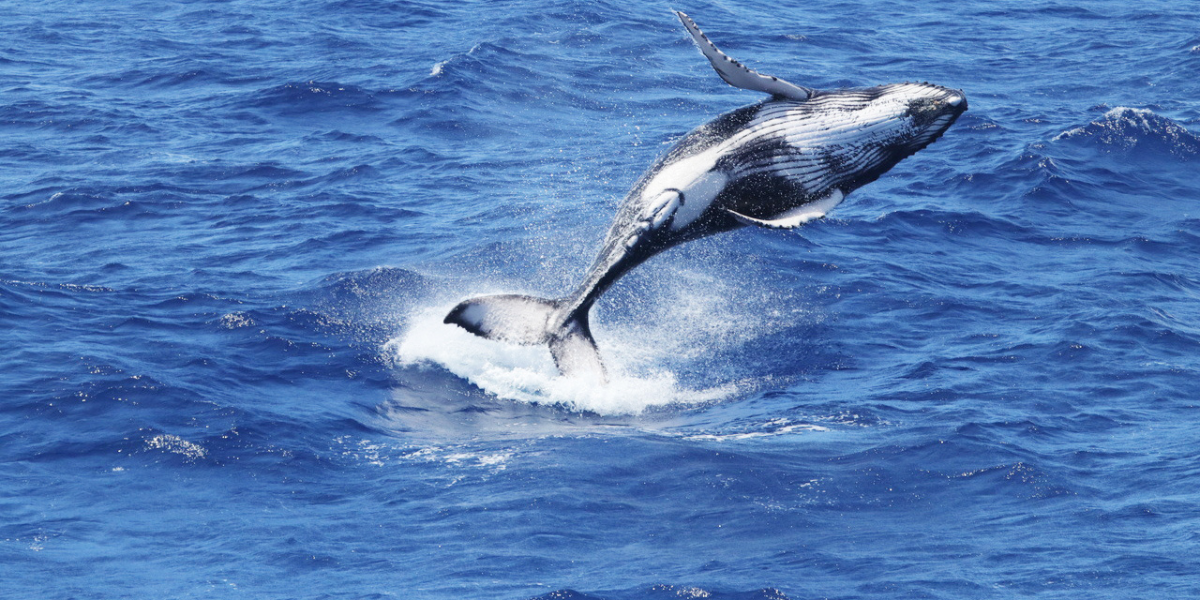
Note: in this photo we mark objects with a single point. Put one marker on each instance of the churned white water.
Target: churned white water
(679, 322)
(528, 374)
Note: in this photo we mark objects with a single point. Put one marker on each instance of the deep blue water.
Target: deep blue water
(228, 232)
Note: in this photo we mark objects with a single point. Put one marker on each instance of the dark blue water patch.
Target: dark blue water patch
(67, 118)
(341, 136)
(656, 591)
(182, 74)
(13, 61)
(314, 97)
(394, 15)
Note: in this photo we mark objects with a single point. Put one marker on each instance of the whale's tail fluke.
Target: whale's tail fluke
(530, 321)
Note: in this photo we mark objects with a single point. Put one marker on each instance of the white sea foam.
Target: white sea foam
(460, 460)
(528, 374)
(773, 428)
(177, 445)
(675, 327)
(674, 342)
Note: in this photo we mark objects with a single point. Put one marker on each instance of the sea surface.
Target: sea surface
(229, 231)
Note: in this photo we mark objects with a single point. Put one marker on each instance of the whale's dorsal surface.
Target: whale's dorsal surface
(738, 75)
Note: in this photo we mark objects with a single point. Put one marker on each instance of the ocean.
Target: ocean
(229, 231)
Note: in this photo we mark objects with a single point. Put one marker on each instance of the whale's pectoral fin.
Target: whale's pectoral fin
(795, 217)
(738, 75)
(662, 208)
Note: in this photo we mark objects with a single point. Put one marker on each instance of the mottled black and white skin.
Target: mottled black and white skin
(780, 163)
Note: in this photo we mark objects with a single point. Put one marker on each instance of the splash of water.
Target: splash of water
(672, 334)
(528, 374)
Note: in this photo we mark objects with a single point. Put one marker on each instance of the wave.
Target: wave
(314, 97)
(665, 591)
(1135, 131)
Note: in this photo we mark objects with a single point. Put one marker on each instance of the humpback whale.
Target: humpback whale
(780, 163)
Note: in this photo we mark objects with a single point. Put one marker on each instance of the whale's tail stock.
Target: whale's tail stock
(530, 321)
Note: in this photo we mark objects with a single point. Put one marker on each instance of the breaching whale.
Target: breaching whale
(780, 163)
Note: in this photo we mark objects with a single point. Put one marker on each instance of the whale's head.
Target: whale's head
(901, 115)
(858, 134)
(927, 110)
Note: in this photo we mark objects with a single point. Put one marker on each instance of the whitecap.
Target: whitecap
(1123, 129)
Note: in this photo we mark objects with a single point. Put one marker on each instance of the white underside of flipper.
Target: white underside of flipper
(738, 75)
(795, 217)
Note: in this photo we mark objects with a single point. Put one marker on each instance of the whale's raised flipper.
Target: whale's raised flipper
(531, 321)
(790, 219)
(738, 75)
